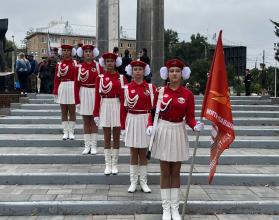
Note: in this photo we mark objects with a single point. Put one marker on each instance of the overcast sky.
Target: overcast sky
(244, 22)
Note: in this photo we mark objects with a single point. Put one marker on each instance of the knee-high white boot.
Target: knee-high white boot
(86, 144)
(107, 153)
(115, 154)
(72, 130)
(175, 204)
(143, 179)
(165, 195)
(65, 127)
(93, 142)
(133, 178)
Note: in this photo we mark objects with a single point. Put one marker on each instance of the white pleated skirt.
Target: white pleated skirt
(110, 112)
(87, 98)
(170, 142)
(136, 125)
(66, 93)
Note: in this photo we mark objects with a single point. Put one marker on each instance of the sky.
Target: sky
(244, 22)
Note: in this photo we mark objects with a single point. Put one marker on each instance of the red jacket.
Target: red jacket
(87, 74)
(66, 70)
(108, 86)
(176, 105)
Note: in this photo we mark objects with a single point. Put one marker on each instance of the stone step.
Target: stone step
(57, 129)
(60, 155)
(198, 102)
(197, 97)
(57, 112)
(198, 107)
(144, 217)
(34, 174)
(251, 121)
(105, 199)
(46, 140)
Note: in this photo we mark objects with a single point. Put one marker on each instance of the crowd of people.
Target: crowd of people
(129, 108)
(36, 77)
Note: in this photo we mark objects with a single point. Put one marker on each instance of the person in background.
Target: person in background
(247, 82)
(33, 73)
(51, 62)
(44, 76)
(126, 60)
(145, 58)
(23, 69)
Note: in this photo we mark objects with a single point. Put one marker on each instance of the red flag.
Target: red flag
(217, 107)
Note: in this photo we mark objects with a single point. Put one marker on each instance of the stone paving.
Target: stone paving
(30, 193)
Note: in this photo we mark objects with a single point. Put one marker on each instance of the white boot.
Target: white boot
(93, 142)
(65, 126)
(143, 179)
(107, 153)
(165, 194)
(115, 154)
(86, 144)
(133, 178)
(175, 204)
(72, 130)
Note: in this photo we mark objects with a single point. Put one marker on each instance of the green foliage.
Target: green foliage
(276, 26)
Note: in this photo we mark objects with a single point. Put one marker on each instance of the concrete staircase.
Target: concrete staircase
(42, 175)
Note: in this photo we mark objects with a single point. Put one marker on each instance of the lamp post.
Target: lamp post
(276, 47)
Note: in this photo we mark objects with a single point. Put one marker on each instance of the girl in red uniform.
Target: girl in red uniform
(64, 81)
(171, 145)
(139, 97)
(109, 111)
(85, 95)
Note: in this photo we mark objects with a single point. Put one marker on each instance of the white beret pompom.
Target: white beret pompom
(96, 52)
(102, 62)
(186, 71)
(80, 52)
(129, 70)
(164, 72)
(147, 70)
(118, 62)
(60, 51)
(74, 52)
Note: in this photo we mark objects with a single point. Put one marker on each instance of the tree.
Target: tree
(276, 25)
(171, 39)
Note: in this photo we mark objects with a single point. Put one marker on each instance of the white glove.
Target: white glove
(149, 130)
(199, 126)
(55, 98)
(97, 121)
(123, 134)
(78, 108)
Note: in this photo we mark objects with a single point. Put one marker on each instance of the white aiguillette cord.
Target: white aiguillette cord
(158, 107)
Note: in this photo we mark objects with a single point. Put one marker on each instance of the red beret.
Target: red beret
(175, 63)
(88, 47)
(109, 55)
(66, 46)
(138, 63)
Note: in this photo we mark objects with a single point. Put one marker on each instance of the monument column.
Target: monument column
(102, 27)
(157, 39)
(113, 25)
(143, 29)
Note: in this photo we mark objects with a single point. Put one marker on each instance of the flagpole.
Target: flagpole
(190, 174)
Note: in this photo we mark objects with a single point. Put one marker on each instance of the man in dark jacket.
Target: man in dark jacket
(247, 82)
(126, 60)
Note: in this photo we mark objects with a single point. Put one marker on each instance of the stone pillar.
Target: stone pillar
(157, 39)
(144, 26)
(102, 32)
(113, 24)
(150, 33)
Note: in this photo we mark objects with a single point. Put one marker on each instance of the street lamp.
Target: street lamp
(276, 47)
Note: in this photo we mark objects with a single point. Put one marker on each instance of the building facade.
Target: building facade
(58, 33)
